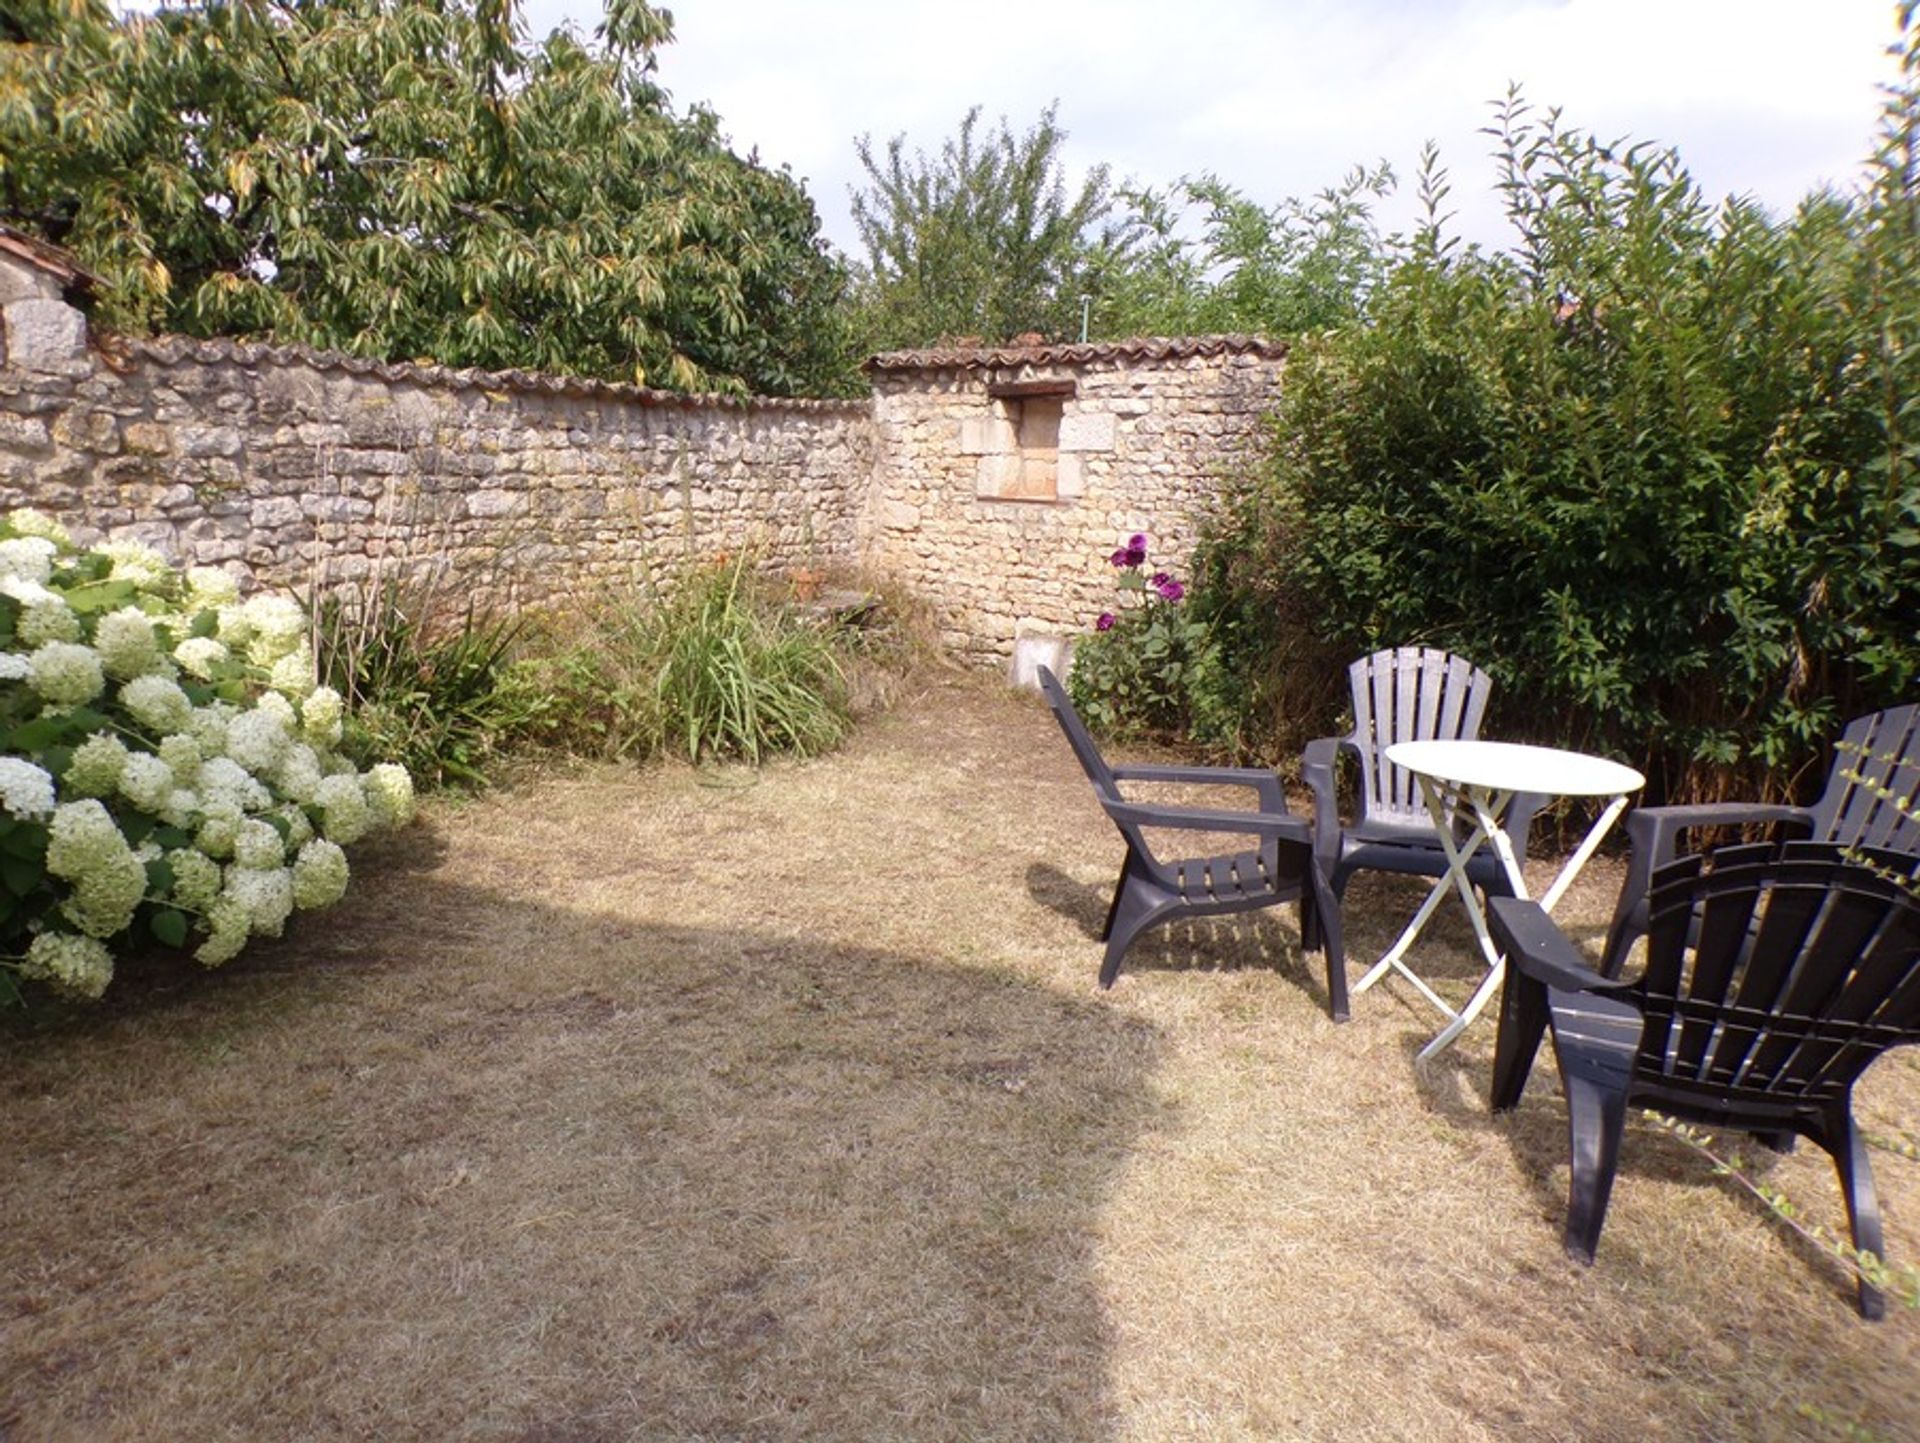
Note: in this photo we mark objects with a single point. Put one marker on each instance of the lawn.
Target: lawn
(663, 1104)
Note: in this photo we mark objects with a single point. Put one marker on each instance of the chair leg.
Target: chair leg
(1850, 1158)
(1596, 1116)
(1318, 898)
(1629, 913)
(1119, 891)
(1523, 1018)
(1135, 909)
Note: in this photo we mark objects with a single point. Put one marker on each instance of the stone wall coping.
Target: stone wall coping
(172, 350)
(1144, 348)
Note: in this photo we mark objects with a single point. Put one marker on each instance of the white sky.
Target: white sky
(1767, 97)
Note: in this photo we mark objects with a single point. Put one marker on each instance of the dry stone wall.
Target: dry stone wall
(1146, 432)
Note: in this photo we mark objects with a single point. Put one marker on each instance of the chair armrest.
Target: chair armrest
(1204, 819)
(1655, 831)
(1272, 797)
(1524, 931)
(1319, 769)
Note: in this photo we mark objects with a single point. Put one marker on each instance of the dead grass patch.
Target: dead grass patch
(661, 1104)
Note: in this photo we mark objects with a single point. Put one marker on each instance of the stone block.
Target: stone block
(1089, 431)
(22, 282)
(209, 440)
(493, 503)
(985, 435)
(997, 475)
(23, 433)
(1069, 477)
(899, 516)
(44, 335)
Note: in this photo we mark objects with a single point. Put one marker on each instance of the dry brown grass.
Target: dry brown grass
(662, 1105)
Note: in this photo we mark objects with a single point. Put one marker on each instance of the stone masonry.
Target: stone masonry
(993, 482)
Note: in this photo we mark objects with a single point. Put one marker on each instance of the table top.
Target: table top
(1517, 767)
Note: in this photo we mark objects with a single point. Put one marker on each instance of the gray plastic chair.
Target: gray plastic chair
(1409, 693)
(1872, 799)
(1282, 866)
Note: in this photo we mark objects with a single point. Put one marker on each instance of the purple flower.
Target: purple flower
(1138, 542)
(1104, 622)
(1120, 558)
(1169, 588)
(1160, 579)
(1134, 555)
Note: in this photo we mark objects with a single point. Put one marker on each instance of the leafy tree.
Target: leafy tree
(407, 178)
(984, 239)
(1301, 265)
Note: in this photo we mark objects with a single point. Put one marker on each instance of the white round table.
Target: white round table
(1474, 782)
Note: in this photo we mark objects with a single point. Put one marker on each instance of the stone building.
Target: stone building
(992, 481)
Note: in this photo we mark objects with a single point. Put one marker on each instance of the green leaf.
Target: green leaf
(21, 876)
(169, 927)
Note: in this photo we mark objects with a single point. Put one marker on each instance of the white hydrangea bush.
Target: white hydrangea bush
(169, 769)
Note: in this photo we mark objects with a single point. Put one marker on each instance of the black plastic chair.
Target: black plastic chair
(1806, 968)
(1872, 799)
(1412, 693)
(1281, 867)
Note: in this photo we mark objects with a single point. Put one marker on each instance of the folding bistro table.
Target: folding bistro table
(1469, 785)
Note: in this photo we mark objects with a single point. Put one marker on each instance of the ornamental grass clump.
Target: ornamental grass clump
(169, 771)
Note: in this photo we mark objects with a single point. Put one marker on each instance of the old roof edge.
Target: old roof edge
(170, 350)
(1143, 348)
(57, 261)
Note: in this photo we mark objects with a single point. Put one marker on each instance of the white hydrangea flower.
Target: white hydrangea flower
(208, 588)
(344, 815)
(389, 793)
(146, 781)
(267, 894)
(319, 875)
(96, 767)
(298, 773)
(321, 715)
(26, 790)
(196, 878)
(127, 644)
(85, 848)
(278, 707)
(27, 558)
(139, 563)
(225, 782)
(14, 666)
(77, 966)
(257, 846)
(66, 673)
(182, 755)
(277, 623)
(199, 655)
(83, 836)
(208, 727)
(157, 703)
(29, 522)
(292, 674)
(219, 827)
(257, 740)
(299, 828)
(230, 923)
(48, 620)
(182, 808)
(27, 593)
(235, 628)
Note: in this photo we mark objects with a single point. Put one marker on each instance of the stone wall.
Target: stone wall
(993, 482)
(293, 467)
(1146, 430)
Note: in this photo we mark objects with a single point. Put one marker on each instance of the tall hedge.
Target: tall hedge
(1655, 469)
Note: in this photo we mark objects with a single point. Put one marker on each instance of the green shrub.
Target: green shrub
(168, 769)
(1655, 471)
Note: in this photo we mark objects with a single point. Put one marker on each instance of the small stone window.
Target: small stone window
(1019, 444)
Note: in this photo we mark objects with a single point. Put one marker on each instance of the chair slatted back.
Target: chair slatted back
(1873, 793)
(1079, 738)
(1411, 693)
(1805, 967)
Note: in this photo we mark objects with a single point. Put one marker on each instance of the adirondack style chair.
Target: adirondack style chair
(1805, 969)
(1411, 693)
(1872, 799)
(1280, 866)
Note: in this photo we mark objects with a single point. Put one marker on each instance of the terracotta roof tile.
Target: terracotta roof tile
(1145, 348)
(55, 260)
(170, 350)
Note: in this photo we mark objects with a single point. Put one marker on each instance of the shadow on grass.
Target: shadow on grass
(454, 1165)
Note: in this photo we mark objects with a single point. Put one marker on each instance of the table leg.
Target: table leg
(1392, 960)
(1486, 811)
